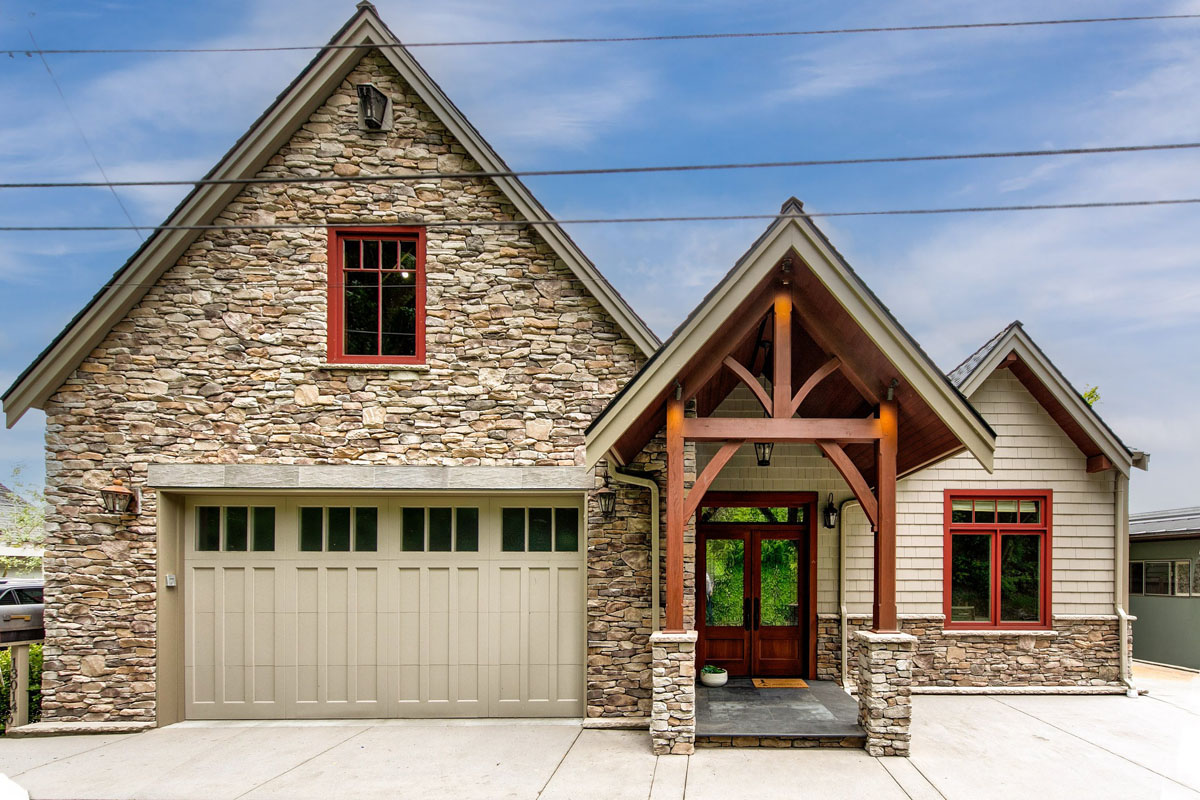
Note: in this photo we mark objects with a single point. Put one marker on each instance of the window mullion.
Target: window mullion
(996, 577)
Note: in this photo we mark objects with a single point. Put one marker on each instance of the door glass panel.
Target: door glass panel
(539, 530)
(311, 529)
(339, 529)
(413, 536)
(1020, 569)
(439, 530)
(236, 526)
(566, 529)
(366, 529)
(779, 580)
(208, 528)
(971, 577)
(512, 530)
(467, 533)
(264, 528)
(725, 582)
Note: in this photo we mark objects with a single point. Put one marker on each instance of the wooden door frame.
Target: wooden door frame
(764, 500)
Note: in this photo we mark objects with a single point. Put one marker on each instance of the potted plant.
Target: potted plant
(713, 676)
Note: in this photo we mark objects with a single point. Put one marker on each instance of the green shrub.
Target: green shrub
(7, 701)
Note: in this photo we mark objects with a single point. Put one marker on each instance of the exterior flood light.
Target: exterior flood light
(372, 104)
(830, 513)
(763, 451)
(607, 500)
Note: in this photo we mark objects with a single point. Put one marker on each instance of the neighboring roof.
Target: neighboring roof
(792, 233)
(248, 155)
(7, 496)
(1050, 387)
(1175, 523)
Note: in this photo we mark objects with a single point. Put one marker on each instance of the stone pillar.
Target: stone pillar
(673, 712)
(885, 690)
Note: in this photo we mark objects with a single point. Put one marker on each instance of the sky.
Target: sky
(1111, 295)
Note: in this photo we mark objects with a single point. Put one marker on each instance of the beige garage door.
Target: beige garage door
(328, 607)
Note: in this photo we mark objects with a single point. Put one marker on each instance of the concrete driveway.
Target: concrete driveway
(964, 747)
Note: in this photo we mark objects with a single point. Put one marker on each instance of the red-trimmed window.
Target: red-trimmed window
(997, 559)
(377, 296)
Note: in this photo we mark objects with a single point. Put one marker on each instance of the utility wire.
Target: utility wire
(83, 136)
(421, 176)
(620, 39)
(510, 223)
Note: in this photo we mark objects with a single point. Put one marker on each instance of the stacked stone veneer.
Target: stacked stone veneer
(884, 678)
(1078, 651)
(223, 361)
(673, 718)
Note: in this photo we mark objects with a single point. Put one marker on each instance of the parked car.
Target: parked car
(20, 610)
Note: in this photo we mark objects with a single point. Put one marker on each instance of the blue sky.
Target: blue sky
(1113, 296)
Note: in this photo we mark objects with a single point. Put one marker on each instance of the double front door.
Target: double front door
(753, 602)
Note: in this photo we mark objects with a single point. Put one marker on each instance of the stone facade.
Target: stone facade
(885, 678)
(1079, 652)
(673, 718)
(224, 361)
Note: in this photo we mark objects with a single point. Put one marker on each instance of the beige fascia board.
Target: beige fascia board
(683, 347)
(923, 377)
(1017, 341)
(517, 193)
(166, 247)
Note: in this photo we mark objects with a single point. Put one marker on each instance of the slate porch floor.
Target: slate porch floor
(740, 709)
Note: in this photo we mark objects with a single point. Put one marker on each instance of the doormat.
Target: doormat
(780, 683)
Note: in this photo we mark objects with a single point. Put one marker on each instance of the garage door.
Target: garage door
(334, 607)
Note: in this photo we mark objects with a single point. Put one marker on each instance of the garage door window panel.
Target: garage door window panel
(539, 530)
(334, 528)
(235, 529)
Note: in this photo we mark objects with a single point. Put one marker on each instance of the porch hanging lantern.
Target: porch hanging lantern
(763, 451)
(373, 104)
(118, 499)
(606, 498)
(830, 513)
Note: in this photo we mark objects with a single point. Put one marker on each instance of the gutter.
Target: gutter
(1121, 553)
(640, 479)
(843, 615)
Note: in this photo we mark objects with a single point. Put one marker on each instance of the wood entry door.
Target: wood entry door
(755, 599)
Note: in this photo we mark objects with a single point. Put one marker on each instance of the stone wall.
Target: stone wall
(224, 361)
(673, 718)
(1079, 651)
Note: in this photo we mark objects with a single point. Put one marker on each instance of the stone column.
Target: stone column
(885, 690)
(673, 712)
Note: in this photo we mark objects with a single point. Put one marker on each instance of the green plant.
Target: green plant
(24, 527)
(712, 669)
(7, 702)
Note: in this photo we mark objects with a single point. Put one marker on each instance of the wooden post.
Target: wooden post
(883, 611)
(781, 377)
(20, 684)
(675, 515)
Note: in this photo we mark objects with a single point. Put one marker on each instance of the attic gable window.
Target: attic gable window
(377, 296)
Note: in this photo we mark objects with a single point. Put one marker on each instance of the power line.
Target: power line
(462, 223)
(420, 176)
(618, 39)
(82, 135)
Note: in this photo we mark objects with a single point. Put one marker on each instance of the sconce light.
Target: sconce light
(119, 499)
(606, 498)
(372, 105)
(763, 451)
(830, 513)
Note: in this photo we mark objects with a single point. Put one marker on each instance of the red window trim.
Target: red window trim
(1044, 529)
(336, 313)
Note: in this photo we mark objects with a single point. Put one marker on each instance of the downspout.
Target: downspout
(843, 616)
(638, 479)
(1121, 558)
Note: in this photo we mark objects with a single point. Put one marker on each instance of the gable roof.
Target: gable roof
(1174, 523)
(270, 132)
(794, 234)
(1051, 389)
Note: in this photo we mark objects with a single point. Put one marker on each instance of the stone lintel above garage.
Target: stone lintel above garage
(317, 477)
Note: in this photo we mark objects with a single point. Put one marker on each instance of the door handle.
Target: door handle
(757, 612)
(746, 603)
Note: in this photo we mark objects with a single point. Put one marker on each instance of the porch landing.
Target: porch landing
(738, 713)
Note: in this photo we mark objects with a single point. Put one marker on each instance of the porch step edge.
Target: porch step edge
(76, 728)
(857, 741)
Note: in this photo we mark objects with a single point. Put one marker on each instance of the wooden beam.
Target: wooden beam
(736, 368)
(781, 375)
(823, 372)
(842, 431)
(854, 479)
(1099, 463)
(825, 340)
(708, 475)
(883, 610)
(702, 371)
(675, 516)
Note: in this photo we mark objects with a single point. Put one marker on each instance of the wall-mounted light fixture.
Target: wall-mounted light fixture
(606, 498)
(372, 106)
(119, 498)
(830, 513)
(763, 451)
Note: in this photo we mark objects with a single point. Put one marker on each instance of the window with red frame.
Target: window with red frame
(997, 560)
(376, 296)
